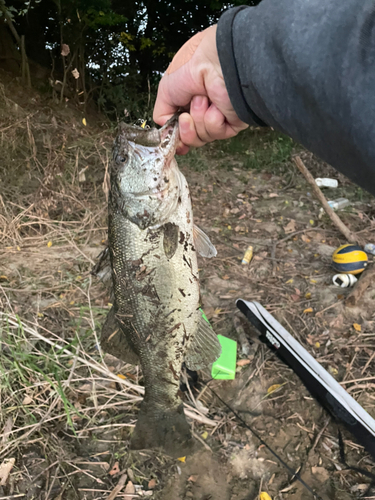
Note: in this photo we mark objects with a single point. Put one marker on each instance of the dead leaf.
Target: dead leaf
(5, 469)
(152, 484)
(273, 195)
(182, 459)
(115, 469)
(305, 239)
(332, 370)
(359, 487)
(321, 472)
(290, 227)
(308, 310)
(226, 277)
(273, 388)
(129, 489)
(242, 217)
(357, 327)
(75, 73)
(193, 478)
(7, 429)
(295, 297)
(65, 49)
(243, 362)
(264, 496)
(27, 400)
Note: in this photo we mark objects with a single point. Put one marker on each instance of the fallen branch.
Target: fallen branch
(364, 282)
(349, 236)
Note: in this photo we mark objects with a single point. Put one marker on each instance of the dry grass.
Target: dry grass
(57, 389)
(64, 409)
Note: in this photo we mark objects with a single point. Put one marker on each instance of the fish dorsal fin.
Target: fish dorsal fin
(113, 340)
(203, 244)
(205, 347)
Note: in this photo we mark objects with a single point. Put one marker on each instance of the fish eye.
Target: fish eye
(121, 158)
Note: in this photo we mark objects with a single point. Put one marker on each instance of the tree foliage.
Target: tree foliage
(119, 48)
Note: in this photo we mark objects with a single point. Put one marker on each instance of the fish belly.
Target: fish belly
(156, 302)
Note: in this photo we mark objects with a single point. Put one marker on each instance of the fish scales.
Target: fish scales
(153, 250)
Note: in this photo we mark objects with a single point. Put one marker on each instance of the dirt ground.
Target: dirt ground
(68, 409)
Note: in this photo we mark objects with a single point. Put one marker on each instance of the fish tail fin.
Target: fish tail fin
(164, 428)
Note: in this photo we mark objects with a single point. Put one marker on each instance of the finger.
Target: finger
(164, 107)
(217, 125)
(198, 108)
(182, 149)
(188, 132)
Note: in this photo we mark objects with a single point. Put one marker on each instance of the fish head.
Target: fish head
(145, 179)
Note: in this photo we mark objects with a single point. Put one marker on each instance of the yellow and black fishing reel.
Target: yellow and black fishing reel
(349, 259)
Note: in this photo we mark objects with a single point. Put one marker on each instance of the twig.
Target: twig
(117, 488)
(198, 438)
(317, 439)
(329, 307)
(349, 236)
(365, 281)
(368, 362)
(344, 382)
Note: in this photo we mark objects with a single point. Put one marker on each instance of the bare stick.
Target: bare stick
(365, 281)
(349, 236)
(117, 488)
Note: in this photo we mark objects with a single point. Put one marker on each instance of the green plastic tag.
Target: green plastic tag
(224, 368)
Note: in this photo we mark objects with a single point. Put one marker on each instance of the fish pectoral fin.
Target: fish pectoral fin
(113, 340)
(102, 269)
(170, 240)
(204, 349)
(203, 243)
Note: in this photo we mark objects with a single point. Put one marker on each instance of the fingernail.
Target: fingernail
(197, 101)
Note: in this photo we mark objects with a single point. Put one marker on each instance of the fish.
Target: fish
(155, 320)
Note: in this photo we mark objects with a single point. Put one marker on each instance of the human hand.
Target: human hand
(194, 81)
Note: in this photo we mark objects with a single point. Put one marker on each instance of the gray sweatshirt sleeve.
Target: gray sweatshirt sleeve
(307, 68)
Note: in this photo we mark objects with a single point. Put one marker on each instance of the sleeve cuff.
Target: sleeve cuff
(225, 48)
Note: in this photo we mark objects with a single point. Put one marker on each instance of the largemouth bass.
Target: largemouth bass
(153, 244)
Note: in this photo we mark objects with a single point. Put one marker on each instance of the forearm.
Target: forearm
(307, 69)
